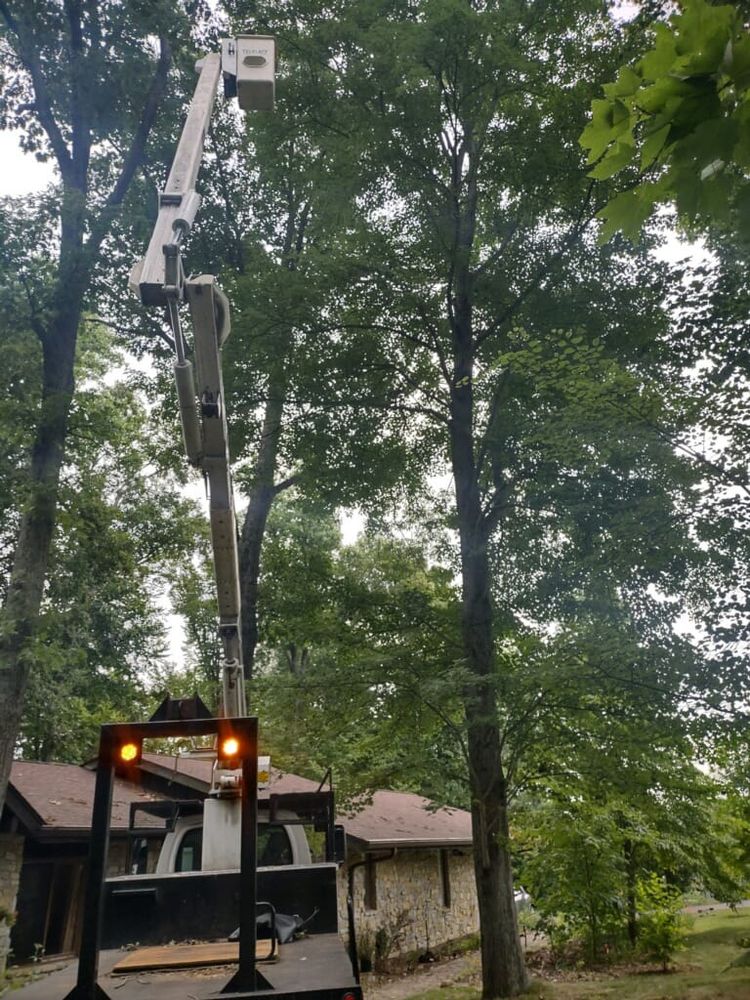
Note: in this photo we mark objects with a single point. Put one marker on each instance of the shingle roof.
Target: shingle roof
(402, 819)
(391, 819)
(60, 796)
(196, 772)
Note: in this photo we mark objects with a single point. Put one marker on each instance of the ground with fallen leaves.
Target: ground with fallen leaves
(700, 972)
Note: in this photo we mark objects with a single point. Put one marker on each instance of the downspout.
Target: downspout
(353, 955)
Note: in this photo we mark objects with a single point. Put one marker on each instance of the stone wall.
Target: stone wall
(411, 912)
(11, 859)
(117, 858)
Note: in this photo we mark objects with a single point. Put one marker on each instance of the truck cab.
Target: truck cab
(279, 843)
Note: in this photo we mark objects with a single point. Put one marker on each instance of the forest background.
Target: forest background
(544, 618)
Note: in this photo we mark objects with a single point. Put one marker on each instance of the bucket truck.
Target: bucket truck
(189, 902)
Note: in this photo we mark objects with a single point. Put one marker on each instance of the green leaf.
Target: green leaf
(702, 34)
(741, 151)
(626, 213)
(626, 84)
(618, 157)
(661, 94)
(714, 198)
(609, 119)
(653, 145)
(710, 140)
(738, 66)
(659, 60)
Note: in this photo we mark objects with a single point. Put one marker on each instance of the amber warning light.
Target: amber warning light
(130, 752)
(230, 747)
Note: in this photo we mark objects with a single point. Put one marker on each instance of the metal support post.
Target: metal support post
(86, 987)
(247, 977)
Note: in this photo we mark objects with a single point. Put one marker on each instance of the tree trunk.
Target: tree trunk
(631, 878)
(503, 969)
(70, 142)
(254, 526)
(264, 489)
(31, 557)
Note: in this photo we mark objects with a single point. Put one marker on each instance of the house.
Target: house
(411, 870)
(408, 863)
(44, 835)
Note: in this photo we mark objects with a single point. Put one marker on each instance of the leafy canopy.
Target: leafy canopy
(677, 122)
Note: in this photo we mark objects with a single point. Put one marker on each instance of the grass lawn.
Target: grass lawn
(711, 946)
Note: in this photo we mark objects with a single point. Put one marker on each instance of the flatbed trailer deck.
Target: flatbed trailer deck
(319, 961)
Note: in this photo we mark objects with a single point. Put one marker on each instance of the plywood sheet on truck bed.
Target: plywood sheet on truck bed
(187, 956)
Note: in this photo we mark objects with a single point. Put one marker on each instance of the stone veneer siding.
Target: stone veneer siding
(409, 889)
(11, 859)
(117, 857)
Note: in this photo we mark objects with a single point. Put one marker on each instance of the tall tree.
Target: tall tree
(123, 533)
(674, 123)
(360, 649)
(119, 527)
(467, 249)
(473, 207)
(83, 82)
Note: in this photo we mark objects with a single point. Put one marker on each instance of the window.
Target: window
(371, 885)
(139, 857)
(189, 853)
(445, 877)
(273, 846)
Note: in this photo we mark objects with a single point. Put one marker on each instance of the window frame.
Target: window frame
(444, 864)
(190, 832)
(371, 883)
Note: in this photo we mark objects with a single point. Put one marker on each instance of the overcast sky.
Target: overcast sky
(20, 173)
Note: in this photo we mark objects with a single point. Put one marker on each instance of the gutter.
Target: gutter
(409, 843)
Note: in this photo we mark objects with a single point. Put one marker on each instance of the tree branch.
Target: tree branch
(79, 118)
(42, 103)
(583, 219)
(135, 154)
(285, 484)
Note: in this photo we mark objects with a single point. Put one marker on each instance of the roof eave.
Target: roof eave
(409, 843)
(23, 810)
(175, 777)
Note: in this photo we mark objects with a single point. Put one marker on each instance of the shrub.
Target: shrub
(577, 880)
(661, 925)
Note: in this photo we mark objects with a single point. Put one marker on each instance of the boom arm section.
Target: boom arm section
(247, 64)
(209, 311)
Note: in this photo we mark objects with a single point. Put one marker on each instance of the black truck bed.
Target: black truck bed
(204, 906)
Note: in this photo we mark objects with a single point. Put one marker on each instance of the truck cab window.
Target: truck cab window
(139, 857)
(189, 852)
(273, 846)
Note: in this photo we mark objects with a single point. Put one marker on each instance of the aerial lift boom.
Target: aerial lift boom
(247, 65)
